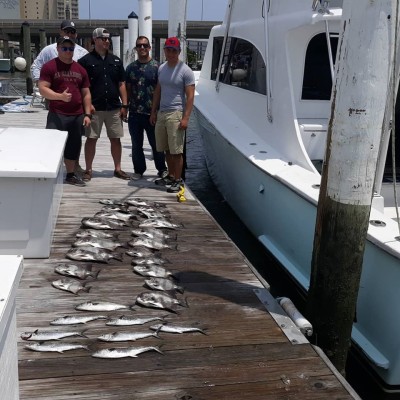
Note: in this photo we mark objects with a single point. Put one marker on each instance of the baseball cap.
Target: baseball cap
(68, 24)
(172, 43)
(64, 39)
(100, 32)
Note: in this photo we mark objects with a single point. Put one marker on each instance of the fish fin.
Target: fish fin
(158, 330)
(96, 274)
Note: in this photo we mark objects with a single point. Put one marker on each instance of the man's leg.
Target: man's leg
(90, 152)
(137, 132)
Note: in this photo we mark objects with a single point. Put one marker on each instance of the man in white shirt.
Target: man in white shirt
(49, 52)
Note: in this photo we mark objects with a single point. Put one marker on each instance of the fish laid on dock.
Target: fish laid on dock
(96, 233)
(100, 306)
(90, 253)
(164, 284)
(55, 347)
(127, 336)
(176, 328)
(76, 319)
(99, 223)
(125, 320)
(148, 261)
(158, 223)
(153, 270)
(77, 271)
(140, 252)
(70, 285)
(43, 335)
(122, 352)
(99, 243)
(151, 233)
(156, 244)
(159, 300)
(115, 215)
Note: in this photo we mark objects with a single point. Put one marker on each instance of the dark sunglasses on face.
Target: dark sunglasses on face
(73, 31)
(143, 45)
(67, 48)
(105, 39)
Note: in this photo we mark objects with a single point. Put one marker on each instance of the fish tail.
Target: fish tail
(184, 302)
(158, 349)
(118, 256)
(82, 333)
(155, 334)
(180, 289)
(86, 289)
(95, 274)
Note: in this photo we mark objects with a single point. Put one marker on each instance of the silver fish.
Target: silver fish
(100, 223)
(159, 300)
(78, 271)
(114, 215)
(96, 233)
(76, 319)
(151, 233)
(49, 335)
(92, 254)
(126, 336)
(71, 285)
(111, 202)
(158, 223)
(140, 252)
(175, 328)
(122, 352)
(156, 244)
(114, 207)
(148, 261)
(99, 306)
(124, 320)
(136, 202)
(150, 213)
(98, 242)
(55, 347)
(163, 284)
(154, 270)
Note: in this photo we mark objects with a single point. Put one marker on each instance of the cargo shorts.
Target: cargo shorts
(168, 135)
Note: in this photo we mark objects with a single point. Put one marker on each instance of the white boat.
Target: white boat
(264, 121)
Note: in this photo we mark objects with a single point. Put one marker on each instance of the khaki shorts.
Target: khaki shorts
(112, 121)
(168, 135)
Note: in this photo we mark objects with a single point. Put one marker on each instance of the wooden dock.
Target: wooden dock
(244, 355)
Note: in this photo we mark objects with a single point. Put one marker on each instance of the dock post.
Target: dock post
(359, 98)
(28, 57)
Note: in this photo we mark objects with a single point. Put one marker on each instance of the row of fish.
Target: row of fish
(98, 241)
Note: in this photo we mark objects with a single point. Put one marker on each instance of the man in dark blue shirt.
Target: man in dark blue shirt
(109, 98)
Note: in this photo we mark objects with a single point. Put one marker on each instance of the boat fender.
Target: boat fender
(305, 326)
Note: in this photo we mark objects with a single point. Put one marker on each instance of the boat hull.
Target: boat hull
(283, 220)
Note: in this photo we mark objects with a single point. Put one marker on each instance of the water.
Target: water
(281, 283)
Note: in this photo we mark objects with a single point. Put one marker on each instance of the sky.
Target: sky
(210, 10)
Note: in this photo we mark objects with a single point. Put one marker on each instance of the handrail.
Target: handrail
(221, 57)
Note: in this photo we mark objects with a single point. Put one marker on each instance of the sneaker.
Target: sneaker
(87, 176)
(136, 177)
(176, 186)
(166, 181)
(75, 180)
(122, 175)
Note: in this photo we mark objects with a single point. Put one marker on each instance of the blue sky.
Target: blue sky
(212, 10)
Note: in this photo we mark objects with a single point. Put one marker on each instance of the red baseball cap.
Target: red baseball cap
(172, 43)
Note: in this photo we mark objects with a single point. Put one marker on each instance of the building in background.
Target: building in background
(47, 9)
(10, 9)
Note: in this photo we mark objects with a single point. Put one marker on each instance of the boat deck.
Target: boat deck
(244, 355)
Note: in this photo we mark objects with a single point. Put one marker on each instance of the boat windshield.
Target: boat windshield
(242, 65)
(317, 79)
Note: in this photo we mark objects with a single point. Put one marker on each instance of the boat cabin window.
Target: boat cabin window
(242, 65)
(317, 80)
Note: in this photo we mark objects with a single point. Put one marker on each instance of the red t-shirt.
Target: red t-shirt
(62, 76)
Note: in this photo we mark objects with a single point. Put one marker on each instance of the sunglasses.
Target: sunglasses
(67, 48)
(142, 45)
(104, 39)
(73, 31)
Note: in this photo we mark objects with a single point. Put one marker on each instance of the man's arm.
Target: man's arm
(50, 94)
(47, 54)
(189, 92)
(87, 105)
(156, 104)
(124, 99)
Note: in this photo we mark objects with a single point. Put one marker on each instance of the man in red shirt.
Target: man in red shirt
(66, 85)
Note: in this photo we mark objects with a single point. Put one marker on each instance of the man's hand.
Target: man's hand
(66, 96)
